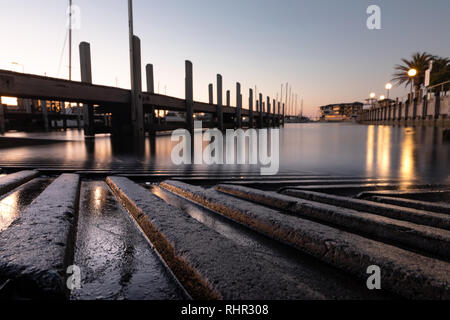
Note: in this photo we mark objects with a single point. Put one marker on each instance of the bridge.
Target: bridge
(132, 112)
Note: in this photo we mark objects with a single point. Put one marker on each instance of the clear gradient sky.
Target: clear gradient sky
(322, 47)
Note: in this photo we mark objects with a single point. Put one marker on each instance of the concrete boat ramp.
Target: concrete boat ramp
(146, 237)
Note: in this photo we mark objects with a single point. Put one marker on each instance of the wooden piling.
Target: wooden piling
(228, 98)
(219, 103)
(28, 106)
(250, 107)
(151, 90)
(137, 108)
(63, 112)
(2, 119)
(279, 114)
(189, 97)
(86, 77)
(238, 106)
(44, 114)
(274, 108)
(210, 93)
(437, 105)
(78, 116)
(261, 111)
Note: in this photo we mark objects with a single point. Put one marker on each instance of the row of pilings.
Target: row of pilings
(431, 109)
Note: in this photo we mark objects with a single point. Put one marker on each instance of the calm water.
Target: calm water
(338, 149)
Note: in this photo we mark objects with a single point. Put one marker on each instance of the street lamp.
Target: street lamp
(372, 99)
(388, 88)
(382, 97)
(412, 73)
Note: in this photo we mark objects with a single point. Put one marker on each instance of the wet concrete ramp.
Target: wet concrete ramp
(299, 237)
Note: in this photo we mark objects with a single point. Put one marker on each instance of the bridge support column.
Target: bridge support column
(86, 77)
(219, 103)
(151, 90)
(189, 97)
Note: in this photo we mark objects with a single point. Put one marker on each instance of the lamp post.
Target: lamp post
(388, 88)
(412, 73)
(372, 98)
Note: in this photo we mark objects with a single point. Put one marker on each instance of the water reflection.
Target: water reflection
(13, 204)
(384, 151)
(337, 149)
(407, 163)
(8, 211)
(370, 149)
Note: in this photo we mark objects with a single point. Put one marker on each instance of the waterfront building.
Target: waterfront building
(341, 112)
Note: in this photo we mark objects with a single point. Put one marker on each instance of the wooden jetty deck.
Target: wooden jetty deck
(290, 237)
(132, 112)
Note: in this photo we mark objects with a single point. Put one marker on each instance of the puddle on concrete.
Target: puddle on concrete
(292, 264)
(13, 203)
(116, 260)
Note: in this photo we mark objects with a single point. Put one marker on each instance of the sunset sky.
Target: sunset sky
(323, 48)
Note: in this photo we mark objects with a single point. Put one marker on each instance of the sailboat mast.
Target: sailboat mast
(70, 39)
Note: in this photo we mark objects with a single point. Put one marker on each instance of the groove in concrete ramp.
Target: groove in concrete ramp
(280, 183)
(415, 204)
(393, 211)
(428, 239)
(332, 283)
(414, 194)
(12, 181)
(421, 277)
(37, 248)
(351, 189)
(115, 258)
(209, 265)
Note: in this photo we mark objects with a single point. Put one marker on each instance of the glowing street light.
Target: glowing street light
(388, 88)
(412, 73)
(382, 97)
(372, 99)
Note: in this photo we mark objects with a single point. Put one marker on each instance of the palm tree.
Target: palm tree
(418, 61)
